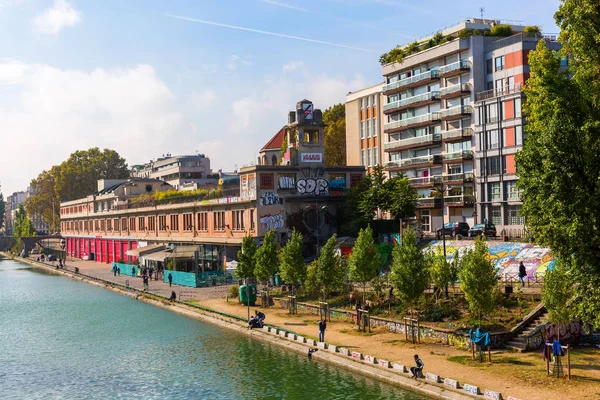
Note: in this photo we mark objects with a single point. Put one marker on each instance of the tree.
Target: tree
(327, 273)
(558, 168)
(293, 267)
(335, 135)
(247, 259)
(558, 294)
(400, 198)
(441, 271)
(409, 270)
(266, 258)
(45, 200)
(364, 260)
(2, 210)
(478, 279)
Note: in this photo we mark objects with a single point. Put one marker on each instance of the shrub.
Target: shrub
(532, 29)
(234, 291)
(501, 30)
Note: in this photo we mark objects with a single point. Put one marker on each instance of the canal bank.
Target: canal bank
(239, 325)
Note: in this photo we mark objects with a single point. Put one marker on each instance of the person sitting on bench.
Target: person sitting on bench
(417, 371)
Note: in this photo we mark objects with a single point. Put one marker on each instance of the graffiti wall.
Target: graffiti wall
(248, 187)
(506, 255)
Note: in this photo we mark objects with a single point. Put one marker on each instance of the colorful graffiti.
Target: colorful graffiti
(272, 221)
(269, 199)
(506, 256)
(570, 333)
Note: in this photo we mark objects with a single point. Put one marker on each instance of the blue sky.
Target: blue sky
(129, 75)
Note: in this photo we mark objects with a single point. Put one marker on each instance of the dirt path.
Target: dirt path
(514, 374)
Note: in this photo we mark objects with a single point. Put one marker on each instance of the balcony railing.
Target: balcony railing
(457, 134)
(460, 88)
(456, 66)
(423, 180)
(429, 202)
(460, 199)
(432, 74)
(491, 93)
(460, 177)
(414, 141)
(459, 155)
(458, 110)
(434, 95)
(413, 120)
(430, 159)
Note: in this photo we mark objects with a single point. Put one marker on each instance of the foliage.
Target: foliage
(293, 267)
(384, 250)
(354, 218)
(378, 284)
(532, 29)
(246, 259)
(234, 291)
(327, 273)
(364, 260)
(283, 150)
(503, 30)
(438, 312)
(335, 135)
(410, 269)
(401, 198)
(441, 270)
(2, 210)
(267, 262)
(558, 168)
(478, 279)
(558, 293)
(396, 55)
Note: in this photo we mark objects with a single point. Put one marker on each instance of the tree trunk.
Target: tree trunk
(364, 291)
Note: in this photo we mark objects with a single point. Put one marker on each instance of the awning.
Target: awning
(158, 256)
(180, 253)
(144, 250)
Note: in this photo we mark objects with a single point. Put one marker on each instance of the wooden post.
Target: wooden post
(473, 349)
(547, 359)
(418, 333)
(489, 353)
(569, 360)
(405, 330)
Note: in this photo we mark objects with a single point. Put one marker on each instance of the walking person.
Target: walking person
(150, 270)
(170, 277)
(417, 370)
(145, 283)
(522, 274)
(119, 271)
(322, 327)
(114, 270)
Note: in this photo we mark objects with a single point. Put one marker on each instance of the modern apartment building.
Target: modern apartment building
(178, 171)
(364, 134)
(12, 206)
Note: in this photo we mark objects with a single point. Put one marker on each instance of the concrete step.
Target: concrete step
(516, 346)
(518, 339)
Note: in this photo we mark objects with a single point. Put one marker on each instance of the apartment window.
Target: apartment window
(489, 66)
(109, 225)
(237, 220)
(132, 224)
(374, 101)
(492, 141)
(511, 83)
(102, 225)
(493, 165)
(362, 103)
(117, 225)
(142, 223)
(188, 222)
(362, 129)
(499, 62)
(511, 191)
(252, 224)
(368, 128)
(151, 224)
(513, 216)
(489, 85)
(174, 222)
(375, 156)
(518, 113)
(202, 224)
(124, 224)
(494, 191)
(219, 220)
(266, 181)
(496, 215)
(363, 159)
(491, 113)
(162, 223)
(369, 157)
(518, 135)
(368, 100)
(374, 123)
(500, 86)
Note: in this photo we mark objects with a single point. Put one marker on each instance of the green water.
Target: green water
(64, 339)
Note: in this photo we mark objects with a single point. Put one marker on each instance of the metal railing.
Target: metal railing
(503, 91)
(424, 180)
(434, 95)
(467, 176)
(462, 64)
(460, 199)
(457, 133)
(458, 155)
(434, 73)
(458, 110)
(425, 139)
(411, 161)
(435, 116)
(461, 87)
(429, 201)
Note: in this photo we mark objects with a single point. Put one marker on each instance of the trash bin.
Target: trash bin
(251, 293)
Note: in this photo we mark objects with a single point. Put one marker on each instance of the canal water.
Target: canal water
(65, 339)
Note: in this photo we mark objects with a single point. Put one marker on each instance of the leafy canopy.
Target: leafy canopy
(327, 273)
(266, 257)
(293, 267)
(335, 135)
(558, 293)
(364, 260)
(247, 259)
(2, 210)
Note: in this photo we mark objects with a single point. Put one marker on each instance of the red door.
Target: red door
(104, 257)
(93, 248)
(98, 257)
(125, 247)
(110, 244)
(133, 246)
(81, 248)
(118, 255)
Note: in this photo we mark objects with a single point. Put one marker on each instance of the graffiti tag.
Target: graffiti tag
(312, 186)
(287, 182)
(269, 221)
(269, 199)
(337, 184)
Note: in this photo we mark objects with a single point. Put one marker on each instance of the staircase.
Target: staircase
(519, 342)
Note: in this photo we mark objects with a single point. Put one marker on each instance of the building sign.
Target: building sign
(311, 157)
(307, 108)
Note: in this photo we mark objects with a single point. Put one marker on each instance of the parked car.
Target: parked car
(453, 229)
(483, 229)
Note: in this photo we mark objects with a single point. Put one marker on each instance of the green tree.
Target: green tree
(293, 267)
(335, 135)
(441, 271)
(2, 210)
(364, 260)
(400, 198)
(327, 273)
(45, 200)
(246, 259)
(267, 262)
(410, 270)
(558, 294)
(558, 167)
(479, 279)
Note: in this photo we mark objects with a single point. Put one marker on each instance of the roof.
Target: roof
(180, 253)
(145, 250)
(276, 141)
(112, 188)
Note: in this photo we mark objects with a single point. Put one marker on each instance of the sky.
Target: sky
(215, 77)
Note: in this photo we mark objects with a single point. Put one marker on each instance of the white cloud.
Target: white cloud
(292, 66)
(236, 61)
(199, 100)
(59, 16)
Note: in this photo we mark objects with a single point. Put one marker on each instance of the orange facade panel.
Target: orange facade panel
(374, 112)
(362, 115)
(368, 113)
(509, 109)
(363, 144)
(509, 136)
(510, 164)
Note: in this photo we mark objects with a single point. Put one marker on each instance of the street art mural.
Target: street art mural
(269, 199)
(248, 187)
(287, 182)
(572, 332)
(506, 256)
(312, 182)
(275, 221)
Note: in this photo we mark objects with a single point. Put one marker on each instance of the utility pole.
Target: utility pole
(481, 10)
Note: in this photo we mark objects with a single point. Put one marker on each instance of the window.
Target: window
(496, 215)
(219, 220)
(369, 157)
(500, 86)
(489, 85)
(266, 181)
(117, 225)
(142, 223)
(174, 222)
(132, 224)
(518, 135)
(362, 103)
(493, 165)
(202, 224)
(355, 179)
(124, 224)
(513, 216)
(368, 100)
(151, 224)
(109, 225)
(489, 66)
(494, 191)
(425, 220)
(374, 122)
(499, 63)
(102, 225)
(237, 220)
(363, 160)
(252, 224)
(368, 129)
(374, 101)
(511, 83)
(374, 155)
(362, 129)
(518, 113)
(491, 113)
(492, 141)
(188, 222)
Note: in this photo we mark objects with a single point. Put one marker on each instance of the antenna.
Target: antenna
(481, 10)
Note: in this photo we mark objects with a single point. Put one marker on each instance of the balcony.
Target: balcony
(414, 162)
(411, 81)
(423, 181)
(455, 90)
(458, 178)
(455, 68)
(429, 202)
(413, 122)
(460, 200)
(459, 156)
(456, 112)
(456, 135)
(504, 91)
(415, 101)
(419, 141)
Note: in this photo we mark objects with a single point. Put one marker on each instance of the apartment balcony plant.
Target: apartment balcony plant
(411, 81)
(456, 112)
(458, 156)
(456, 135)
(458, 178)
(413, 142)
(455, 68)
(459, 200)
(412, 122)
(414, 101)
(455, 90)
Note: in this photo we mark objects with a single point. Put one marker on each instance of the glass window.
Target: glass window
(500, 86)
(368, 128)
(491, 113)
(362, 158)
(511, 192)
(499, 63)
(374, 101)
(496, 215)
(513, 216)
(511, 82)
(368, 100)
(374, 122)
(518, 135)
(494, 191)
(362, 103)
(488, 66)
(492, 141)
(362, 129)
(369, 157)
(518, 107)
(375, 156)
(489, 85)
